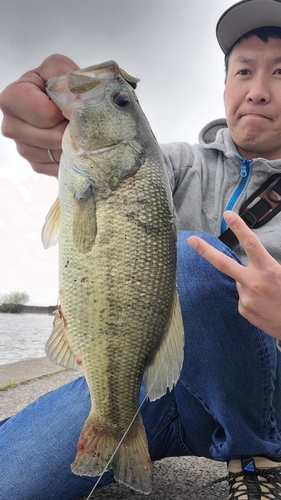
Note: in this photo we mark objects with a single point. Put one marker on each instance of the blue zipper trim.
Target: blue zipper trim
(244, 173)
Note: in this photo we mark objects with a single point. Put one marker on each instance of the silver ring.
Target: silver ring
(50, 154)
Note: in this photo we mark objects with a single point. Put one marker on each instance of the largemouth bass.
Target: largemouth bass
(119, 317)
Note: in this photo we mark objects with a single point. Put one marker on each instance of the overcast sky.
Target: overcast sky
(169, 44)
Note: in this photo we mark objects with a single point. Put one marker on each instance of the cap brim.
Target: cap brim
(245, 16)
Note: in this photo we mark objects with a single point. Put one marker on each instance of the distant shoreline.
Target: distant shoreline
(35, 310)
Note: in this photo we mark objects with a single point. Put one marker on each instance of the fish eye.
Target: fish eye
(121, 99)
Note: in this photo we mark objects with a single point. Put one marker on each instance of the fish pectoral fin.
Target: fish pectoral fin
(50, 231)
(57, 348)
(164, 368)
(99, 450)
(84, 222)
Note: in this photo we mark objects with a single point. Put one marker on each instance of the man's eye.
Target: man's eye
(243, 72)
(277, 71)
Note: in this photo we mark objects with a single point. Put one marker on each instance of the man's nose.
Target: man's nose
(258, 91)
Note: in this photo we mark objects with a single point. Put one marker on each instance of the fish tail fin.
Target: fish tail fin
(99, 451)
(95, 449)
(132, 464)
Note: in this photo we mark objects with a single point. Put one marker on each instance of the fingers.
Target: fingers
(247, 238)
(31, 119)
(51, 169)
(258, 284)
(219, 260)
(33, 143)
(27, 134)
(39, 159)
(36, 107)
(259, 258)
(55, 65)
(28, 101)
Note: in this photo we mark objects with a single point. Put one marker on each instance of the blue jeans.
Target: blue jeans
(225, 405)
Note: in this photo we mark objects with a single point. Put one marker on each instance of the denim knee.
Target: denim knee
(230, 366)
(196, 277)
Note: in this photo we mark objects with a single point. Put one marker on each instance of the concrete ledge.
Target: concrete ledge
(22, 371)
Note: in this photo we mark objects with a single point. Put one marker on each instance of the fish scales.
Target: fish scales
(119, 313)
(117, 302)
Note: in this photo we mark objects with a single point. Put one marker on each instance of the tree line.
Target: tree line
(12, 302)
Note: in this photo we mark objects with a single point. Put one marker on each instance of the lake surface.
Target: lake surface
(23, 336)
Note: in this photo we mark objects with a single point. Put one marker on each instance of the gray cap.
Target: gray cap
(245, 16)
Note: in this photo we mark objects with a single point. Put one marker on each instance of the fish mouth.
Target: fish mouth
(68, 90)
(82, 81)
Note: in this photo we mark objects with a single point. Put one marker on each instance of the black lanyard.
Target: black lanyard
(259, 208)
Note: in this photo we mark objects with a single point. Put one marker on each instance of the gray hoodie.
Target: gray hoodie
(206, 179)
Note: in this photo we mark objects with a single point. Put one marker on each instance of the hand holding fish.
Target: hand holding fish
(258, 284)
(31, 119)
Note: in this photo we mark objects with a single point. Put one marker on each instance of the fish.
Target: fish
(119, 317)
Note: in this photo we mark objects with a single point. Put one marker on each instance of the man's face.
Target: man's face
(252, 97)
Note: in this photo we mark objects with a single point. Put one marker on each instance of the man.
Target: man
(226, 405)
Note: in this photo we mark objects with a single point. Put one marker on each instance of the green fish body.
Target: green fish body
(119, 317)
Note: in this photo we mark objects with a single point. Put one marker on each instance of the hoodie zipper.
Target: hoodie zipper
(244, 173)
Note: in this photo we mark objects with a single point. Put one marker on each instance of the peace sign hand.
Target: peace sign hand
(258, 284)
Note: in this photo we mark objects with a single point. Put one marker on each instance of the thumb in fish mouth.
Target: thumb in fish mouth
(63, 89)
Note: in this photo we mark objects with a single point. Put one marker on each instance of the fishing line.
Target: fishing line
(129, 426)
(117, 448)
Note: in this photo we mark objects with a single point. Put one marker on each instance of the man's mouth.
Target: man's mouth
(257, 116)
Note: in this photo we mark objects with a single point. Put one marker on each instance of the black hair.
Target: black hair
(264, 33)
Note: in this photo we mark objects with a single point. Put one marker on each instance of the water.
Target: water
(23, 336)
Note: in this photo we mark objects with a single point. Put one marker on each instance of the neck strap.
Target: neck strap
(259, 208)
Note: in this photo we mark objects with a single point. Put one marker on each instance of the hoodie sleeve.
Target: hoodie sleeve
(178, 159)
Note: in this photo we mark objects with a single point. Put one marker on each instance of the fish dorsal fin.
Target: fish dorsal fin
(84, 222)
(50, 231)
(163, 370)
(57, 348)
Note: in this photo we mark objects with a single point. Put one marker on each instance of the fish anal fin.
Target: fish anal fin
(84, 222)
(99, 451)
(57, 348)
(50, 231)
(164, 368)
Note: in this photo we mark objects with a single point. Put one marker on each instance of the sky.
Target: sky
(169, 44)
